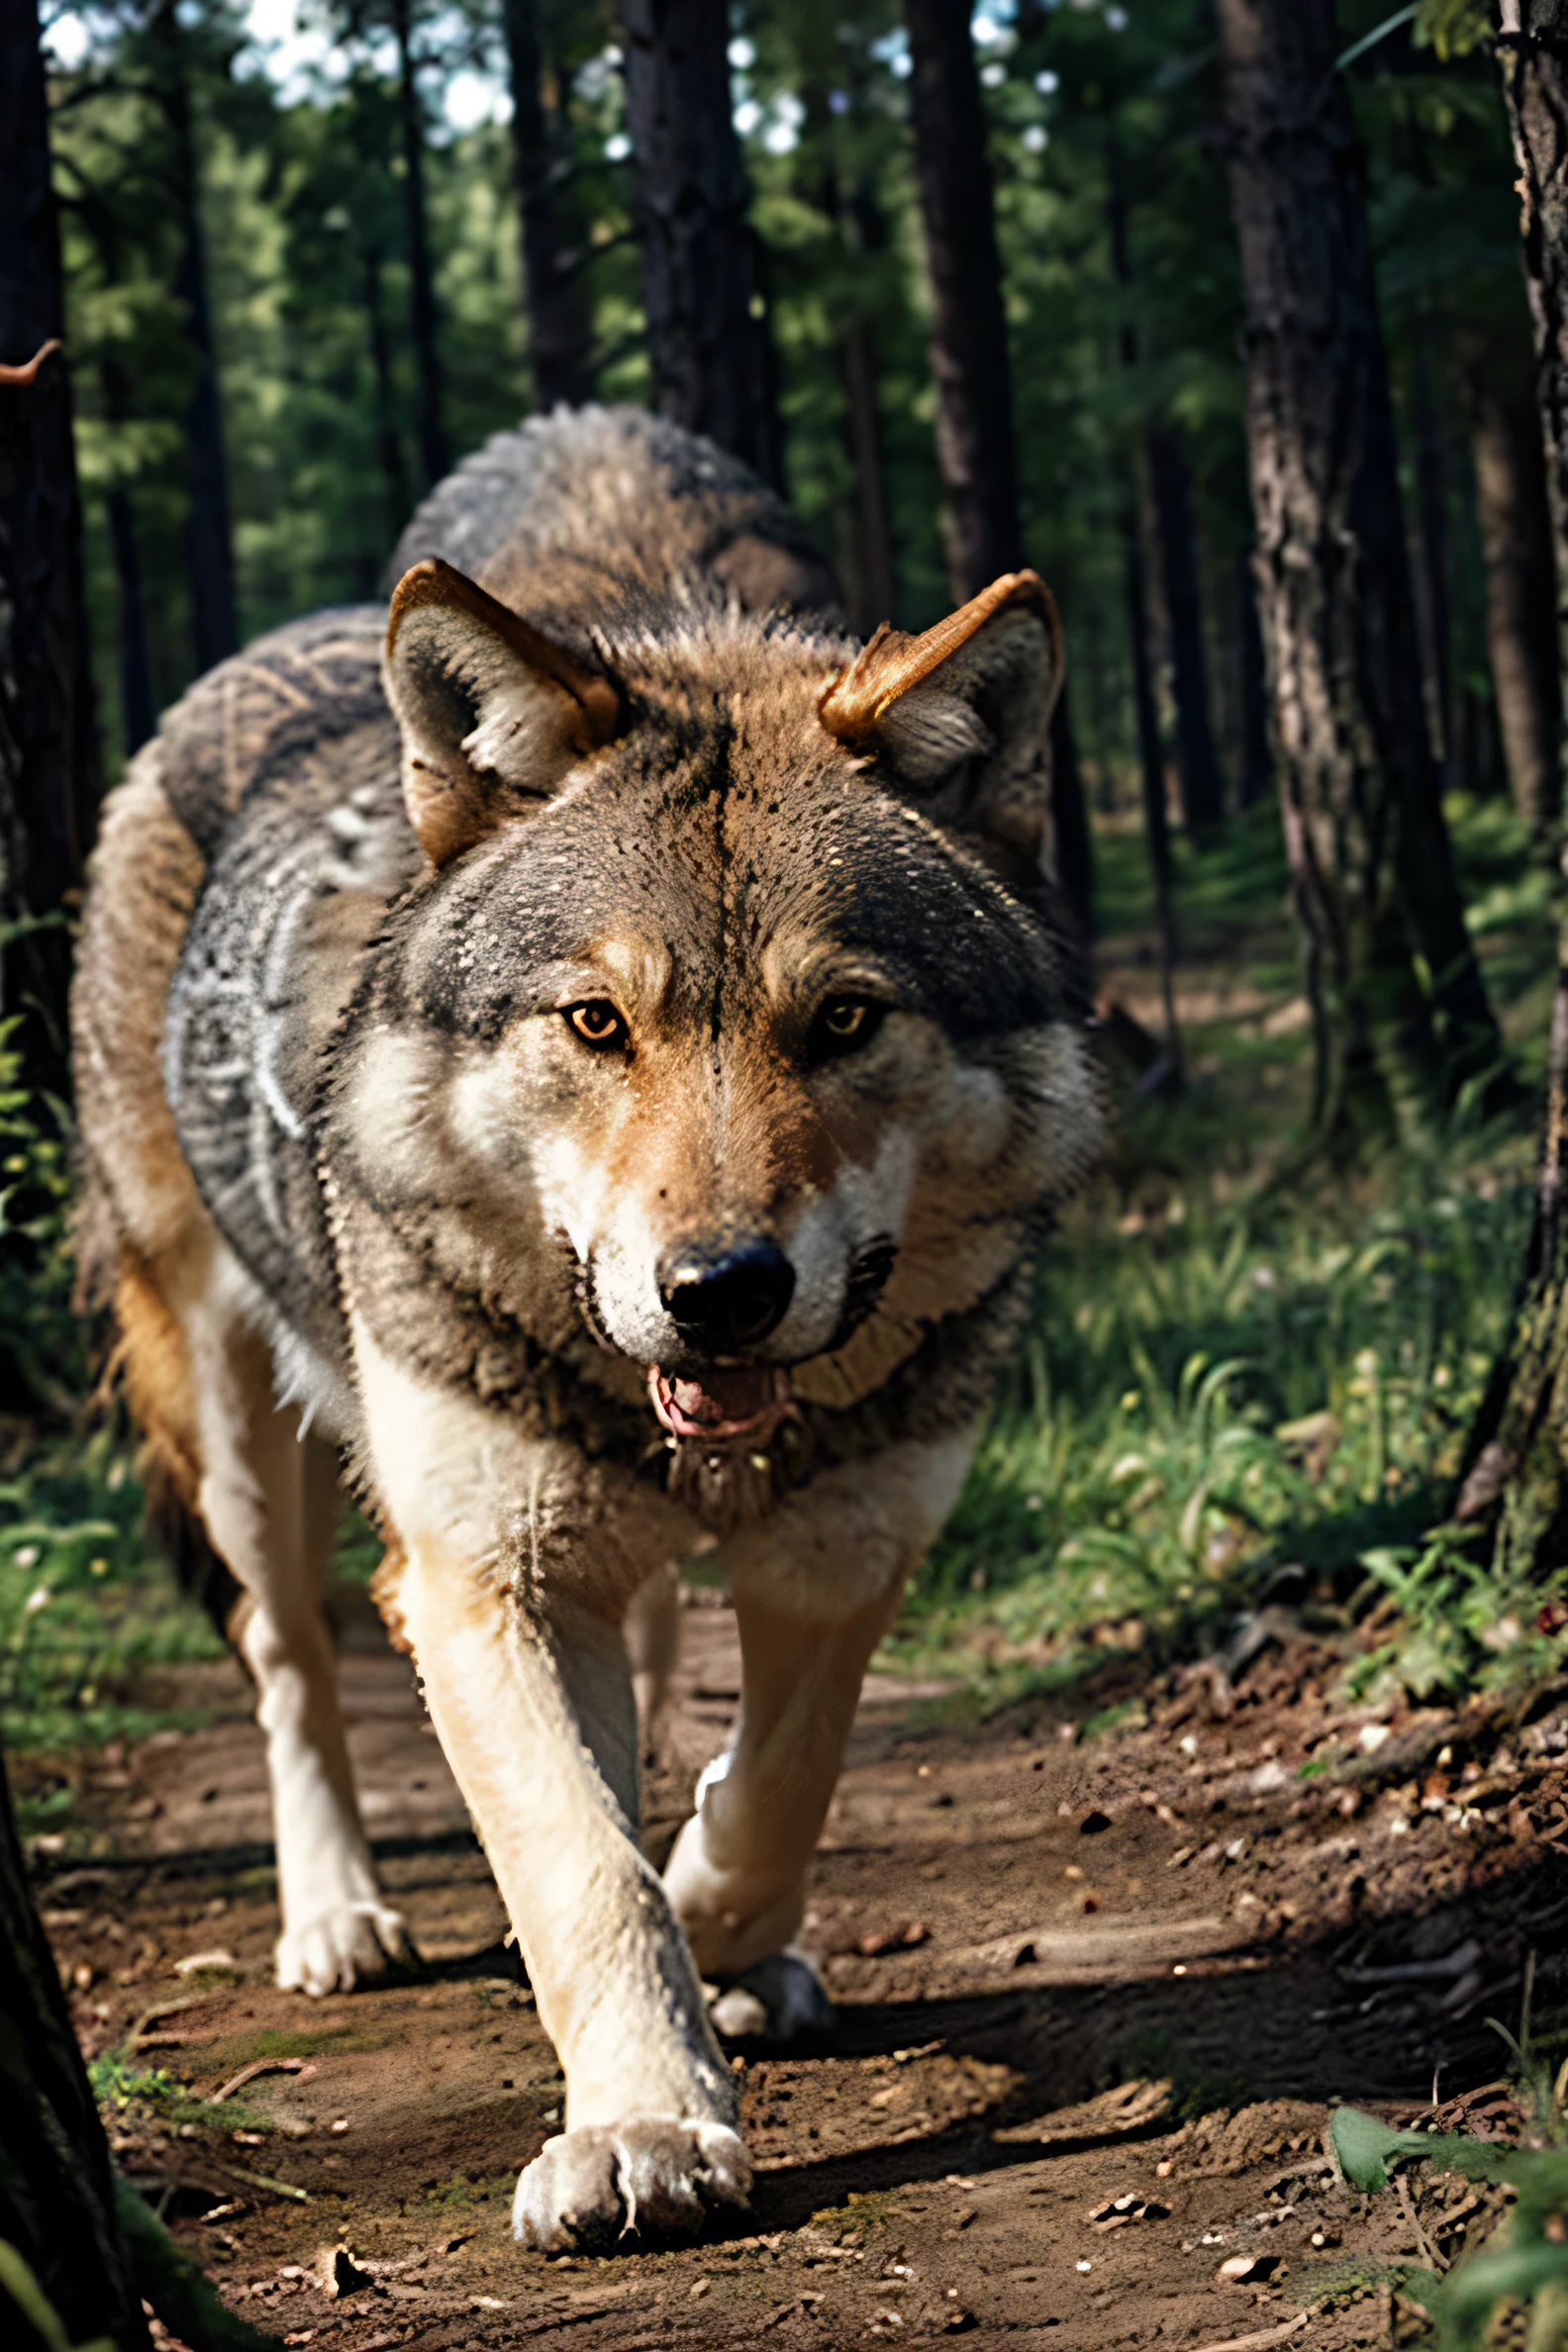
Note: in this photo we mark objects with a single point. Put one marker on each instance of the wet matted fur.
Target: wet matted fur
(591, 1057)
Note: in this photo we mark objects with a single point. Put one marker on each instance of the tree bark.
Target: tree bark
(1256, 774)
(970, 361)
(1520, 602)
(1196, 757)
(1399, 1012)
(423, 317)
(709, 341)
(1514, 1486)
(209, 533)
(388, 440)
(1434, 604)
(57, 2192)
(1151, 764)
(137, 704)
(48, 747)
(976, 442)
(559, 311)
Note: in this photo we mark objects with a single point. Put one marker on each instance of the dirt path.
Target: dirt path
(1095, 1993)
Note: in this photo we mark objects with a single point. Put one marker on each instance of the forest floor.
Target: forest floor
(1103, 1962)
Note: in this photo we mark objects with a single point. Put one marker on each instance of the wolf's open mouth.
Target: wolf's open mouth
(749, 1403)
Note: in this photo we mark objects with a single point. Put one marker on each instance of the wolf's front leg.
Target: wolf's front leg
(814, 1590)
(516, 1630)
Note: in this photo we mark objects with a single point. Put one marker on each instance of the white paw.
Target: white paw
(333, 1951)
(652, 2175)
(780, 1999)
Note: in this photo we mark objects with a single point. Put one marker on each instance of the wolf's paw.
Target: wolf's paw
(652, 2175)
(335, 1949)
(781, 1998)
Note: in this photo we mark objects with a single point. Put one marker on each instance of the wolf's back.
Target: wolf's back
(604, 508)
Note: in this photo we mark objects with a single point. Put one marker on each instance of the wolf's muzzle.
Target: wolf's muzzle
(727, 1300)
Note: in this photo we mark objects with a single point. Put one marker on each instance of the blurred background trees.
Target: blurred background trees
(969, 283)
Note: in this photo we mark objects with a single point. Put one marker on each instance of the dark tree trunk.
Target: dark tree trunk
(976, 446)
(1151, 764)
(871, 588)
(56, 2194)
(1533, 50)
(1370, 859)
(1257, 776)
(209, 536)
(388, 440)
(1145, 705)
(1197, 759)
(970, 361)
(1521, 602)
(424, 323)
(1432, 604)
(1071, 839)
(48, 747)
(1515, 1483)
(137, 704)
(709, 341)
(559, 311)
(872, 576)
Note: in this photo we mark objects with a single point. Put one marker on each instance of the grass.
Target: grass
(1213, 1395)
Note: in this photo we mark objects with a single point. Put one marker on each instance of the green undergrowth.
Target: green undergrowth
(1218, 1401)
(1516, 2263)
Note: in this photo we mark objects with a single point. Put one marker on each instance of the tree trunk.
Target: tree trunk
(1151, 764)
(424, 323)
(975, 441)
(709, 342)
(976, 445)
(1252, 704)
(1516, 1482)
(872, 580)
(48, 747)
(871, 589)
(1434, 603)
(209, 536)
(1370, 860)
(137, 704)
(1145, 705)
(560, 312)
(388, 440)
(1197, 759)
(1521, 632)
(1072, 842)
(56, 2193)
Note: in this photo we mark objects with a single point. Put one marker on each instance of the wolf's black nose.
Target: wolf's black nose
(726, 1300)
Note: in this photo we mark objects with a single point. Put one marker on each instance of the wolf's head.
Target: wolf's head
(731, 985)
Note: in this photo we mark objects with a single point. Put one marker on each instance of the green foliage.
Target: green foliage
(1224, 1391)
(1453, 28)
(1524, 2259)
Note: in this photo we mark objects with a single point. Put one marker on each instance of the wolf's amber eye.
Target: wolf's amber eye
(844, 1024)
(598, 1023)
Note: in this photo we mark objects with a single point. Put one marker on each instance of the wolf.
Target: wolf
(588, 1056)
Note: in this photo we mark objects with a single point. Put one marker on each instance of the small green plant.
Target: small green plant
(1524, 2259)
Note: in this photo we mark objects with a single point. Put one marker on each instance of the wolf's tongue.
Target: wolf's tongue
(745, 1403)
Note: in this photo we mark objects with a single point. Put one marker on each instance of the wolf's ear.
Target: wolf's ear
(493, 715)
(961, 716)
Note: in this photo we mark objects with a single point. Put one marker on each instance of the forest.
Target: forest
(1243, 324)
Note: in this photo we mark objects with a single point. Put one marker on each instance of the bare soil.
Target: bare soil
(1097, 1992)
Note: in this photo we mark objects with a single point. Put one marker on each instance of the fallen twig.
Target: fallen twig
(1256, 2344)
(303, 2067)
